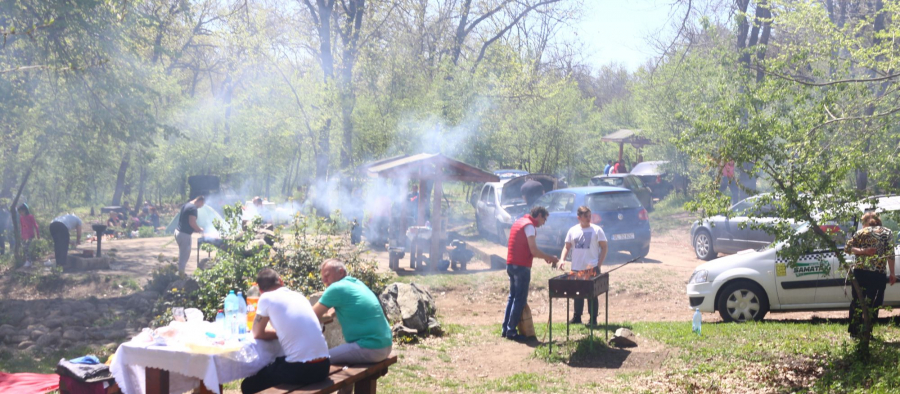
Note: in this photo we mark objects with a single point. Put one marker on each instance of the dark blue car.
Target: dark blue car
(617, 210)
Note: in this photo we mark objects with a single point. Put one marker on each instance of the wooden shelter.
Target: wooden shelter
(631, 137)
(429, 167)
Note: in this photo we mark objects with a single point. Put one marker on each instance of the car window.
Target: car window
(612, 201)
(491, 198)
(562, 202)
(617, 182)
(544, 201)
(637, 182)
(742, 208)
(484, 194)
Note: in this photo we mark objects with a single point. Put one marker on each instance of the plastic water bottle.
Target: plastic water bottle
(220, 321)
(695, 327)
(242, 313)
(231, 313)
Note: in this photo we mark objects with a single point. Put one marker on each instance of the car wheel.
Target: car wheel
(742, 301)
(640, 253)
(703, 246)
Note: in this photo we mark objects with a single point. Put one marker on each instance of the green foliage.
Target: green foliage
(161, 277)
(38, 249)
(298, 252)
(146, 232)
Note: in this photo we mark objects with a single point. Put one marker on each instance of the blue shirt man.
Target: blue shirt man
(608, 166)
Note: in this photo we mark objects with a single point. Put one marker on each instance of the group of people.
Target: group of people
(587, 244)
(60, 229)
(287, 316)
(615, 168)
(120, 221)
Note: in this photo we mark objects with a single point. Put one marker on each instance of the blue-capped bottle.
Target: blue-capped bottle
(698, 319)
(231, 314)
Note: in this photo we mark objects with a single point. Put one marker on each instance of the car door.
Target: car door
(798, 285)
(834, 291)
(641, 191)
(484, 207)
(561, 211)
(758, 237)
(542, 236)
(732, 234)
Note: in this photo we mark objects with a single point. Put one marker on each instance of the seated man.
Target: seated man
(364, 325)
(296, 328)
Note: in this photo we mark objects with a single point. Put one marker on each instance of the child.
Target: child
(30, 230)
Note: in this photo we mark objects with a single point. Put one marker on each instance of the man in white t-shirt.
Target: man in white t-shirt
(296, 328)
(587, 242)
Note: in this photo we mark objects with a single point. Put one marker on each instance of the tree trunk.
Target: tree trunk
(356, 10)
(140, 197)
(120, 179)
(17, 231)
(326, 8)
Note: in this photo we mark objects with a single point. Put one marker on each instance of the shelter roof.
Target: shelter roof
(627, 136)
(427, 166)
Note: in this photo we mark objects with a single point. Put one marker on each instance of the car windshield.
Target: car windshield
(607, 181)
(611, 201)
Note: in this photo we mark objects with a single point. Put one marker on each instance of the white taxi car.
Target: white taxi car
(747, 285)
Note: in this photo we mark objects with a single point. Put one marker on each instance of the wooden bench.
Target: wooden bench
(362, 377)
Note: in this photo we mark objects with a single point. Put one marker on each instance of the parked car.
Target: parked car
(654, 176)
(616, 210)
(747, 285)
(629, 182)
(744, 229)
(499, 204)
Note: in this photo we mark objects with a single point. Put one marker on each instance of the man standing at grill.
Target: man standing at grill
(588, 245)
(187, 225)
(522, 250)
(59, 231)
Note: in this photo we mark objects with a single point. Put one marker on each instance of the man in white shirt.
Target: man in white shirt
(296, 328)
(588, 245)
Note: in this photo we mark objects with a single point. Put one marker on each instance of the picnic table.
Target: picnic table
(151, 369)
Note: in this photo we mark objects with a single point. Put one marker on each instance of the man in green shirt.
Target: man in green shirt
(364, 325)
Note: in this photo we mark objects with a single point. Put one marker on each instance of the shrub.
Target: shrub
(161, 277)
(38, 249)
(146, 232)
(299, 250)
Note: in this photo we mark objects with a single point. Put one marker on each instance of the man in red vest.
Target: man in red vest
(522, 250)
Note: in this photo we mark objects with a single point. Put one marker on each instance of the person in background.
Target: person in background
(588, 245)
(873, 246)
(728, 181)
(126, 210)
(521, 251)
(608, 167)
(187, 225)
(365, 328)
(531, 190)
(295, 326)
(153, 217)
(60, 229)
(29, 230)
(112, 222)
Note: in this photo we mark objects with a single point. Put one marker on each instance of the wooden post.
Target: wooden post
(157, 381)
(366, 386)
(621, 148)
(436, 249)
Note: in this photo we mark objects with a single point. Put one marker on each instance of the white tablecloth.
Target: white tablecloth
(187, 370)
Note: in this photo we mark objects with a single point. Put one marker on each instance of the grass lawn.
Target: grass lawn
(781, 357)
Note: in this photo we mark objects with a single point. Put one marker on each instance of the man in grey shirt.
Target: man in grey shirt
(59, 231)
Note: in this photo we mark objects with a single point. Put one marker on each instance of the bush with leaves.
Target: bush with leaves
(299, 249)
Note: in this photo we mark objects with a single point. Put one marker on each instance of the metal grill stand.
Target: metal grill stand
(570, 286)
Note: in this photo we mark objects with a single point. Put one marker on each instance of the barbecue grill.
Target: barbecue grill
(586, 284)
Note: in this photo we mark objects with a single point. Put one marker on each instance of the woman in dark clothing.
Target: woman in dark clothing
(873, 246)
